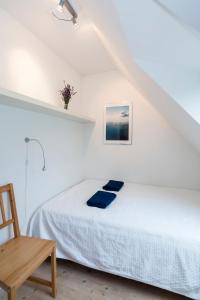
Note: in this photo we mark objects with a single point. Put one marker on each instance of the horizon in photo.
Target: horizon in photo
(117, 123)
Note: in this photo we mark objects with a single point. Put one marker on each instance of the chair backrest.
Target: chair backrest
(11, 199)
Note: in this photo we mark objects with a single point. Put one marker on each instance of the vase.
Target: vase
(66, 101)
(66, 105)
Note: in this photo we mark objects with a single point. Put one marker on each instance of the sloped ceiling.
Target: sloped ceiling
(187, 11)
(77, 45)
(156, 53)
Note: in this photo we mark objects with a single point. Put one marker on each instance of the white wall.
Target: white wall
(29, 67)
(158, 155)
(63, 143)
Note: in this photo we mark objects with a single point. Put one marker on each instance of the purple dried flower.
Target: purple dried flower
(67, 92)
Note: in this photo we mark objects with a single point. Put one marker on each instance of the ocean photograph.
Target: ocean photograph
(117, 123)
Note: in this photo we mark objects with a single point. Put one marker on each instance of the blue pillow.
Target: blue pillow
(101, 199)
(113, 185)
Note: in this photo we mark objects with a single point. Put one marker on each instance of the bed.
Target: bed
(149, 234)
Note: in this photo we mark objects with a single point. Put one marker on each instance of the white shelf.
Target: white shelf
(11, 98)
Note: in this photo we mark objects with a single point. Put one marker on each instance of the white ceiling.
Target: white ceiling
(152, 34)
(187, 11)
(77, 45)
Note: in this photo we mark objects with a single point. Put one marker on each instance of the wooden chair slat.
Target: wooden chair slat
(14, 211)
(4, 188)
(11, 199)
(6, 223)
(2, 209)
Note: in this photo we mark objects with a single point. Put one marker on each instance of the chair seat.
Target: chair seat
(20, 257)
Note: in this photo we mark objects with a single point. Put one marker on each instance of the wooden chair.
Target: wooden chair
(21, 256)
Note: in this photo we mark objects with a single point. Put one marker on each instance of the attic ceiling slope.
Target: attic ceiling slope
(165, 49)
(187, 11)
(78, 45)
(127, 45)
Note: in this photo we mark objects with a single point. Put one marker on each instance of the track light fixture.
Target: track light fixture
(58, 12)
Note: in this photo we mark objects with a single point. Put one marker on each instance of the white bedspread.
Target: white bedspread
(150, 234)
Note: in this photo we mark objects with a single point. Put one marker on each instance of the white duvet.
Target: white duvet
(150, 234)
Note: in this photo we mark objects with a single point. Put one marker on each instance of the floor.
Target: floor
(76, 282)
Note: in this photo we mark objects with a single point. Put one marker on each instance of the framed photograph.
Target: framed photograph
(118, 124)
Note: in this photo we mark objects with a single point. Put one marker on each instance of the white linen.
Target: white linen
(150, 234)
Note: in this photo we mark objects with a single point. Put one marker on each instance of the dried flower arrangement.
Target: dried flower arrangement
(67, 92)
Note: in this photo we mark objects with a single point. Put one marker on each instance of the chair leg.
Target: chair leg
(53, 273)
(12, 294)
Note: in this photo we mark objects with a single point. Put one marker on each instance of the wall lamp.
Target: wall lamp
(28, 140)
(59, 11)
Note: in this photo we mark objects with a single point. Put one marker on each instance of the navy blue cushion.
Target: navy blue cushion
(113, 185)
(101, 199)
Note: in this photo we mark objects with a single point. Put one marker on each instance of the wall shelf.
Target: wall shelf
(11, 98)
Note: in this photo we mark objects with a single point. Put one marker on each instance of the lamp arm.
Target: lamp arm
(27, 140)
(42, 148)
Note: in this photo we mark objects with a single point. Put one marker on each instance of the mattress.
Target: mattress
(149, 234)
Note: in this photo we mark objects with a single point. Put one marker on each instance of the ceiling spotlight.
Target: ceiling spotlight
(59, 12)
